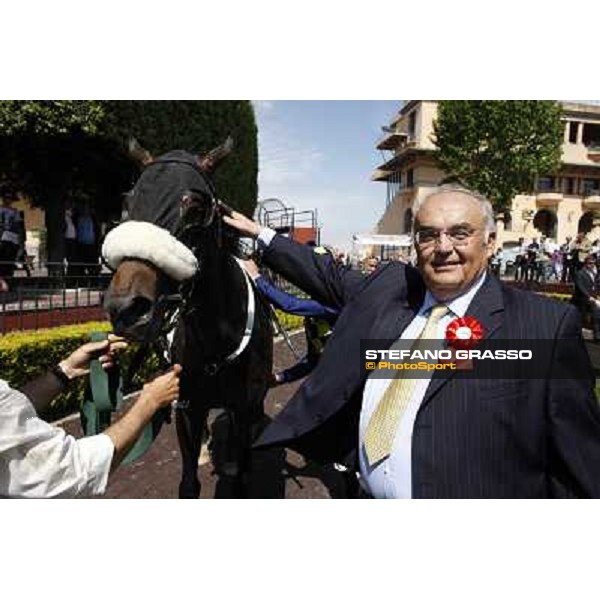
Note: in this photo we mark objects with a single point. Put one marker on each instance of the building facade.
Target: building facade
(561, 205)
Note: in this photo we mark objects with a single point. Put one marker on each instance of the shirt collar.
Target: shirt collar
(458, 305)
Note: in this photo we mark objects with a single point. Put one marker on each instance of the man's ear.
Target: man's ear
(491, 243)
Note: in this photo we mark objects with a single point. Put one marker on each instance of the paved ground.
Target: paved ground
(276, 473)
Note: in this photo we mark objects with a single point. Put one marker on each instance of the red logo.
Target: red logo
(464, 333)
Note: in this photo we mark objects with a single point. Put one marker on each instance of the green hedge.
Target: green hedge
(289, 322)
(24, 355)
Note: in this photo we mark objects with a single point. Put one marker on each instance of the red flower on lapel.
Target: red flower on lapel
(464, 333)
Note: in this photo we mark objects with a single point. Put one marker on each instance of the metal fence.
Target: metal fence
(38, 299)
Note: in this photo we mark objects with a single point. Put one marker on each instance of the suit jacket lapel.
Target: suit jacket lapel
(487, 307)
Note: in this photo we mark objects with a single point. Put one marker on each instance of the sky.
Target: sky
(320, 155)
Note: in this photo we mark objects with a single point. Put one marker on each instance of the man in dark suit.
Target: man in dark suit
(451, 436)
(585, 294)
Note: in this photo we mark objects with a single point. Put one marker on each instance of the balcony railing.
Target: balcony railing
(396, 141)
(564, 192)
(390, 140)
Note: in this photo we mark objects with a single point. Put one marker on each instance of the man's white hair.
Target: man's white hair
(486, 206)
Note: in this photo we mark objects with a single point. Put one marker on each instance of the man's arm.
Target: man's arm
(290, 304)
(317, 274)
(38, 460)
(155, 395)
(284, 301)
(573, 413)
(44, 388)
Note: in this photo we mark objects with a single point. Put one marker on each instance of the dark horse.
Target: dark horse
(173, 244)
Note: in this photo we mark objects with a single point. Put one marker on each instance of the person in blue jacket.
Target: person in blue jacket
(318, 323)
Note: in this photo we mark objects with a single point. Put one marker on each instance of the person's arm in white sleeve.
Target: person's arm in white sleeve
(266, 235)
(38, 460)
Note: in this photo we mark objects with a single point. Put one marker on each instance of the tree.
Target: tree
(52, 150)
(498, 147)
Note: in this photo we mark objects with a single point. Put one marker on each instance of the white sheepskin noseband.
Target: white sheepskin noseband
(139, 239)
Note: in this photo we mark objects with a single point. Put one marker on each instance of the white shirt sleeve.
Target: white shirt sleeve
(266, 235)
(38, 460)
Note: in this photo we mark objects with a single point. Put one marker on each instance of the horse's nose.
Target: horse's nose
(126, 311)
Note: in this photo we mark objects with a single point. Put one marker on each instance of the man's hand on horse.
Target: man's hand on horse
(243, 224)
(163, 390)
(78, 363)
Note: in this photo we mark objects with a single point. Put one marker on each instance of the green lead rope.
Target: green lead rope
(104, 396)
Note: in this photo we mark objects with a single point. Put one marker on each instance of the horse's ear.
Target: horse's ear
(209, 162)
(139, 154)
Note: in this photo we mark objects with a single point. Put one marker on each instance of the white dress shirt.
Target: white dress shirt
(392, 478)
(38, 460)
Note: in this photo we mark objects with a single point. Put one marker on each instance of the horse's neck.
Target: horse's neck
(221, 294)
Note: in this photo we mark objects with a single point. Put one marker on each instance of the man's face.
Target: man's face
(449, 269)
(370, 265)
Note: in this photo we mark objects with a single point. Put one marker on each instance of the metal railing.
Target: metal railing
(40, 300)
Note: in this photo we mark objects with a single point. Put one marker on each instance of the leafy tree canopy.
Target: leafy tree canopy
(51, 150)
(498, 147)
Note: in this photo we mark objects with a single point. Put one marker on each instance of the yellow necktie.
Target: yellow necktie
(382, 427)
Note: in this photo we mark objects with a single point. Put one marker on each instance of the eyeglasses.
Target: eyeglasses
(457, 236)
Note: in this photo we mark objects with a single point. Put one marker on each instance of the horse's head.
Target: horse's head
(152, 253)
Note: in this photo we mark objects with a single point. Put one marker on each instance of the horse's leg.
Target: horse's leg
(190, 423)
(248, 416)
(243, 440)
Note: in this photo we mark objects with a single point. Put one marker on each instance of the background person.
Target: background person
(38, 460)
(88, 239)
(496, 262)
(586, 291)
(11, 237)
(70, 232)
(566, 251)
(521, 261)
(369, 264)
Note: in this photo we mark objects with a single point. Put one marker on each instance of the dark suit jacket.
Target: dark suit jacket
(585, 289)
(513, 438)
